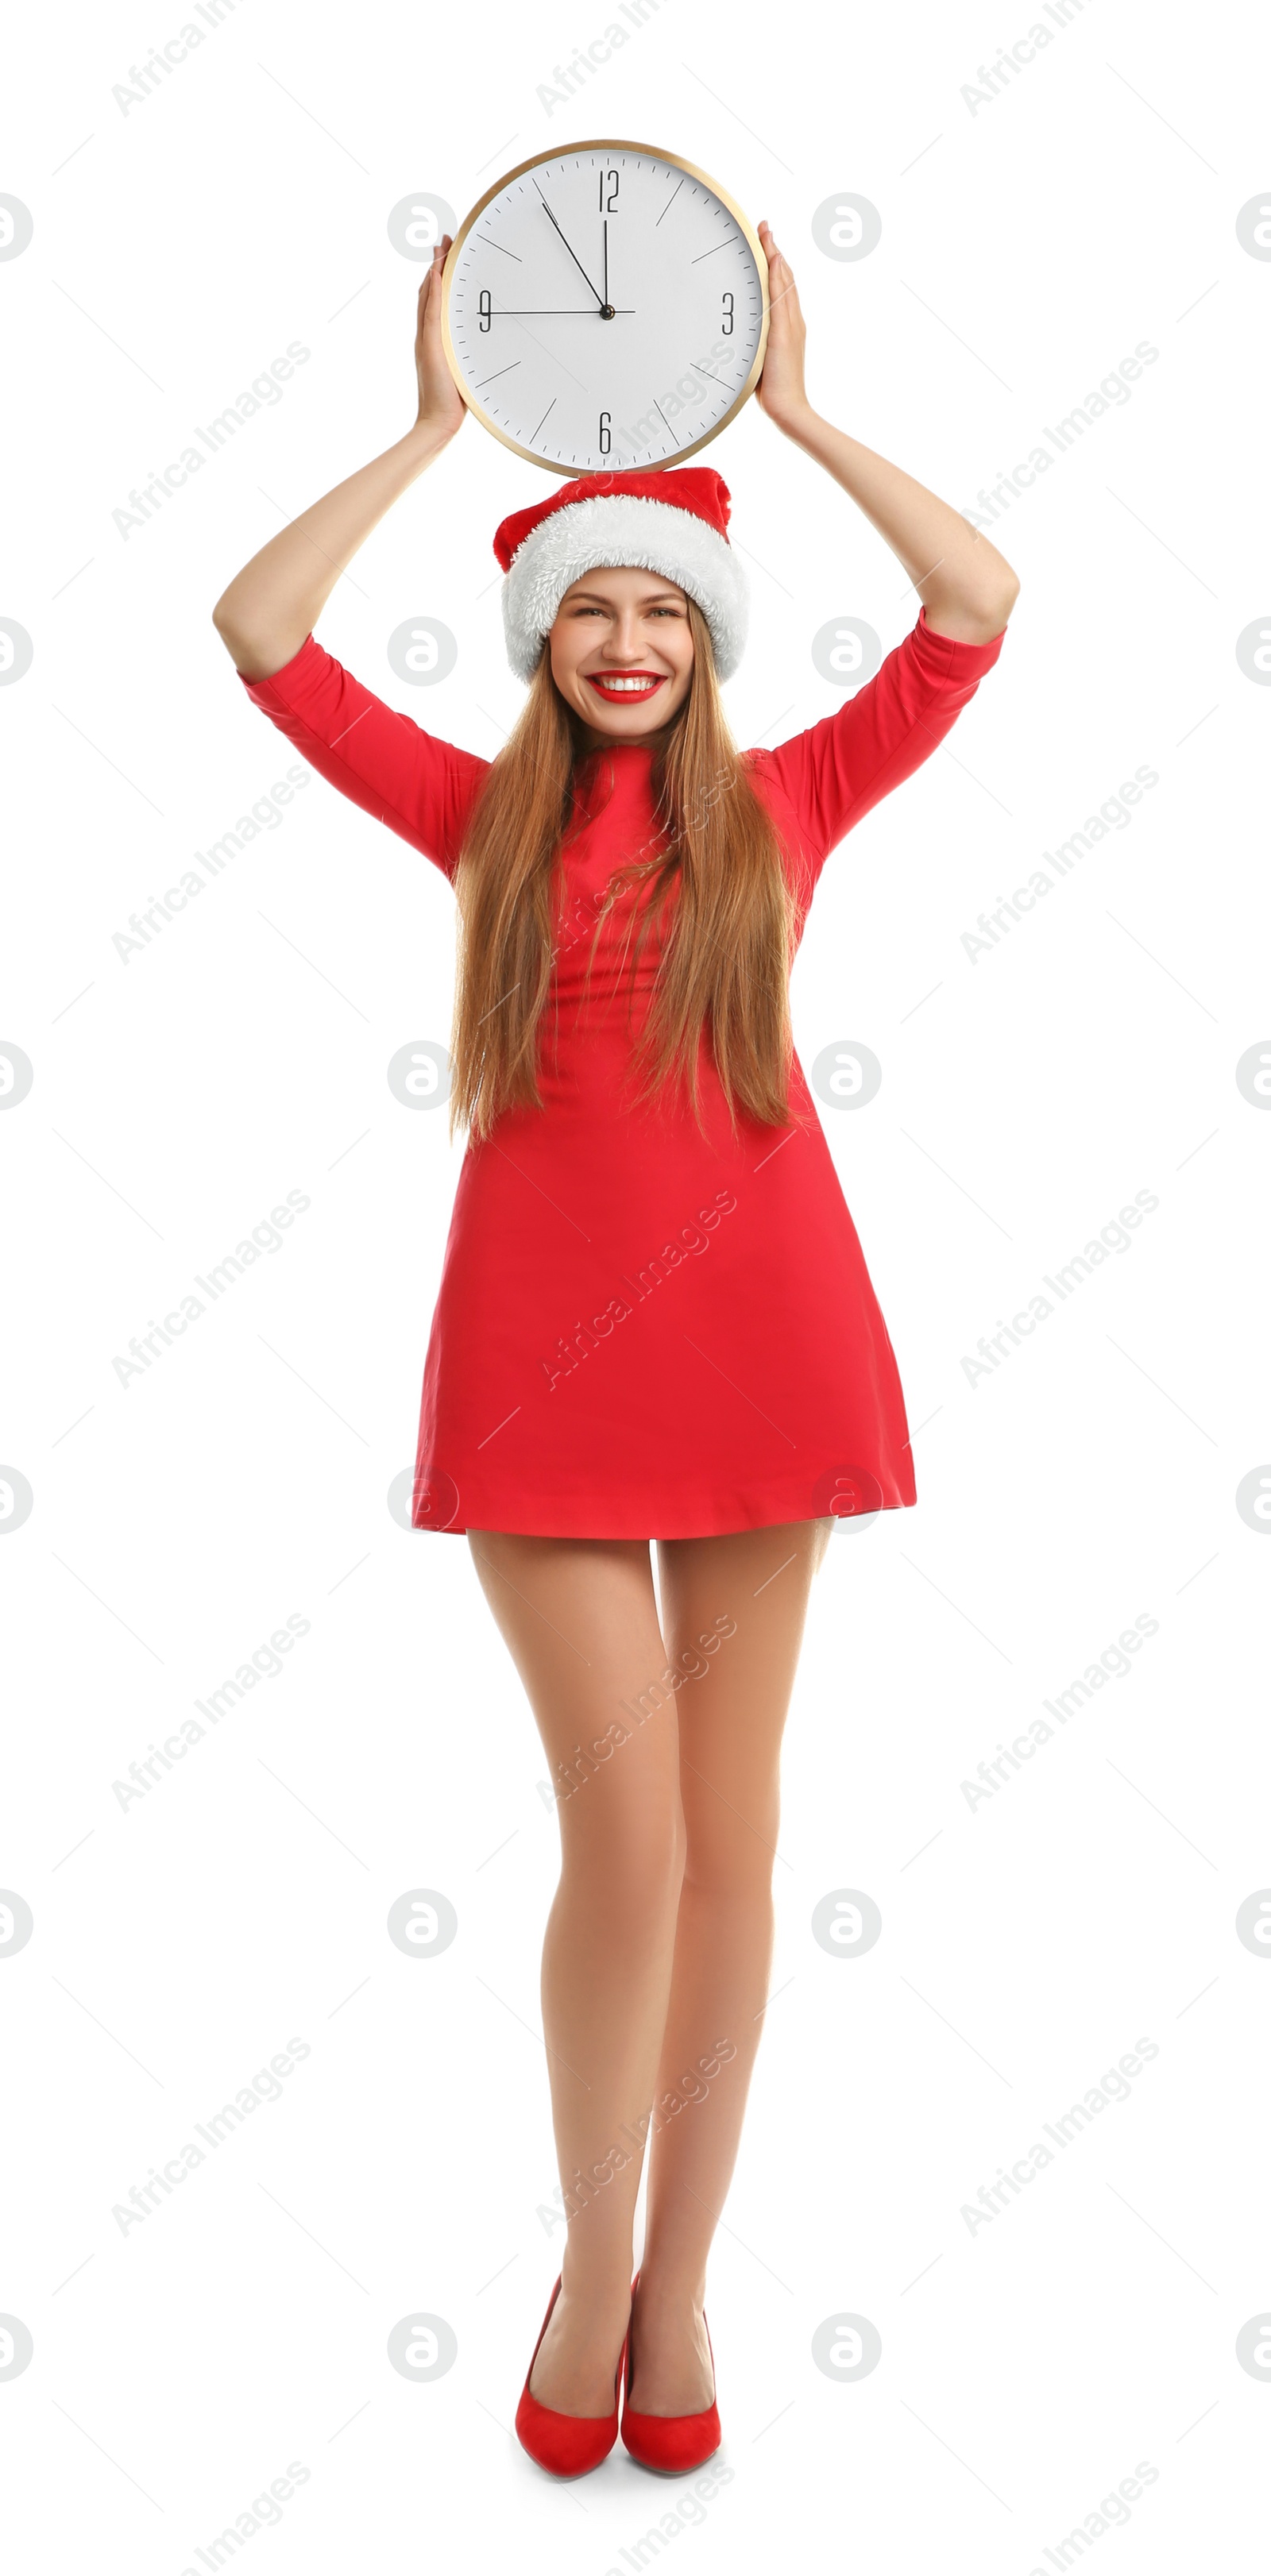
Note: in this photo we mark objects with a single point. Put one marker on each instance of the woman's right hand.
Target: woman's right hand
(441, 405)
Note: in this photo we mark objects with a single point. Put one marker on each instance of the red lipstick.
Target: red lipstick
(603, 682)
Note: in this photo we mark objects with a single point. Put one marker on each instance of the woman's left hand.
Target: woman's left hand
(781, 391)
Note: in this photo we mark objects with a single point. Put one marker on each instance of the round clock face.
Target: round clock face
(605, 308)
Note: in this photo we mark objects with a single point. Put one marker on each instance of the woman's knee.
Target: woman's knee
(731, 1855)
(627, 1831)
(633, 1890)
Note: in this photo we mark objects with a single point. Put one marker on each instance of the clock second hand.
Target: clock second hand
(600, 299)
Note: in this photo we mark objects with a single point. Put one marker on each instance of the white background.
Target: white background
(1027, 1943)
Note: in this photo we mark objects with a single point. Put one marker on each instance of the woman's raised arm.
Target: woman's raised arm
(967, 588)
(275, 601)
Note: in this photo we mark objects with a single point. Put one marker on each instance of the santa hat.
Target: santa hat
(675, 523)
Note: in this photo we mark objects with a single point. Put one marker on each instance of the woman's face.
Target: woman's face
(622, 653)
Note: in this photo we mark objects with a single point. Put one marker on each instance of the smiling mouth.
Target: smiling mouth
(623, 685)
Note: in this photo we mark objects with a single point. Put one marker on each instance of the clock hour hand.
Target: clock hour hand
(601, 301)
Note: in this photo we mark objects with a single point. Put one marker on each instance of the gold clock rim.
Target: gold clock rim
(655, 152)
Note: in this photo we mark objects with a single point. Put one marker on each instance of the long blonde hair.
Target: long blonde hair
(725, 961)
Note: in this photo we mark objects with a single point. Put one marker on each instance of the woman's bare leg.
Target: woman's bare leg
(580, 1619)
(731, 1718)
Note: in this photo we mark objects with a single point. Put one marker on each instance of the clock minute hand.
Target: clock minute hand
(600, 301)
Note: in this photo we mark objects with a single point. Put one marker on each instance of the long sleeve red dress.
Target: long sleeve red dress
(642, 1331)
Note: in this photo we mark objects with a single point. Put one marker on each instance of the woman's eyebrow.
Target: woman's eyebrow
(672, 597)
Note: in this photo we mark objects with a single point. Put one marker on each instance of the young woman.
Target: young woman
(654, 1319)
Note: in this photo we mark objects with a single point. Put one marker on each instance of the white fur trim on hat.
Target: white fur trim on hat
(615, 529)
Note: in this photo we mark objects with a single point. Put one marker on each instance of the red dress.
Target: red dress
(642, 1332)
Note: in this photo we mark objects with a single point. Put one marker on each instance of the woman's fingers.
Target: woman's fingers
(429, 305)
(435, 266)
(780, 391)
(780, 276)
(439, 397)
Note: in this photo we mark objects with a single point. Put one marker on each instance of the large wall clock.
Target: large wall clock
(605, 308)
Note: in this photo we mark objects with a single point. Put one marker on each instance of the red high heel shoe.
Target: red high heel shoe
(672, 2443)
(567, 2445)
